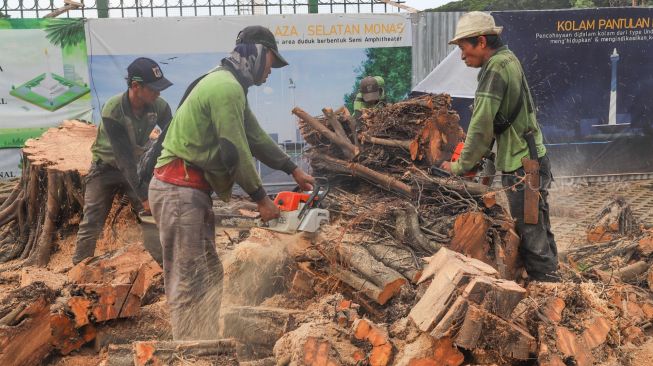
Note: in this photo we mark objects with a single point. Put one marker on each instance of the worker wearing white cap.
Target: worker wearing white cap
(504, 111)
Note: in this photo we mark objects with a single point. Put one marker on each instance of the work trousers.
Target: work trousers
(192, 269)
(538, 248)
(102, 183)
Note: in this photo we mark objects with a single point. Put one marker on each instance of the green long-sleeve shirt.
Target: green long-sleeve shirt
(215, 130)
(122, 136)
(499, 87)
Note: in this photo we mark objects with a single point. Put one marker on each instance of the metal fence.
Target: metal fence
(173, 8)
(431, 33)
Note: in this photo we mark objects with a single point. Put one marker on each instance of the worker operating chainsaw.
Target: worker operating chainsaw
(209, 146)
(503, 111)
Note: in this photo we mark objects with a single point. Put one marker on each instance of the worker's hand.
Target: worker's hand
(146, 208)
(446, 166)
(268, 209)
(304, 180)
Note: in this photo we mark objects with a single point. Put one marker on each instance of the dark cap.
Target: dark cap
(148, 72)
(257, 34)
(370, 89)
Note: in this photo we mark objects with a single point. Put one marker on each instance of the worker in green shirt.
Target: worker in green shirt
(371, 94)
(122, 137)
(210, 145)
(504, 111)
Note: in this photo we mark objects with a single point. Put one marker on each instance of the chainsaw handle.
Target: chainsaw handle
(315, 198)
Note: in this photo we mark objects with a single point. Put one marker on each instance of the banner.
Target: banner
(43, 77)
(43, 81)
(328, 55)
(591, 74)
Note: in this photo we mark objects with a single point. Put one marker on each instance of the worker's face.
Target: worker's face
(474, 56)
(145, 94)
(269, 60)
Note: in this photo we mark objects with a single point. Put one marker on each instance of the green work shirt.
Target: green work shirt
(215, 130)
(360, 104)
(122, 136)
(499, 87)
(118, 109)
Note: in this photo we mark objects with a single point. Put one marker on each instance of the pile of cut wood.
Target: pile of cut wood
(391, 210)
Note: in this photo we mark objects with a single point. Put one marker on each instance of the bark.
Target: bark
(357, 170)
(334, 123)
(348, 149)
(165, 352)
(404, 144)
(385, 278)
(408, 230)
(49, 193)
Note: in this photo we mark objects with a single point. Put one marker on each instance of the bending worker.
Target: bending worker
(371, 94)
(127, 121)
(504, 110)
(210, 145)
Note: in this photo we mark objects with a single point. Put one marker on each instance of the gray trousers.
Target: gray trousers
(191, 266)
(102, 183)
(538, 248)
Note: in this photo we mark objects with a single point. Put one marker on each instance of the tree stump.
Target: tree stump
(49, 194)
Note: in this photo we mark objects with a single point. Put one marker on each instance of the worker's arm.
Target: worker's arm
(145, 167)
(263, 147)
(123, 152)
(164, 118)
(227, 107)
(490, 92)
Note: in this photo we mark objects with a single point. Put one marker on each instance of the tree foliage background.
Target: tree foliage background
(394, 65)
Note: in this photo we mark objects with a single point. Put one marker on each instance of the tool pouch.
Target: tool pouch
(531, 190)
(532, 182)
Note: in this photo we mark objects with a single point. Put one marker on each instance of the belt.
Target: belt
(179, 173)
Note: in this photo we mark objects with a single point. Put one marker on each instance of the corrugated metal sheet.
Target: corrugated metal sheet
(431, 32)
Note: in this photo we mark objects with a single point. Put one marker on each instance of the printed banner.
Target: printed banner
(328, 55)
(591, 74)
(43, 77)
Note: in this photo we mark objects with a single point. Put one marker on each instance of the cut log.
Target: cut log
(50, 187)
(470, 236)
(384, 181)
(499, 297)
(571, 347)
(24, 325)
(382, 349)
(318, 352)
(425, 351)
(632, 271)
(334, 123)
(615, 220)
(404, 144)
(408, 230)
(553, 309)
(270, 325)
(479, 330)
(397, 258)
(444, 256)
(160, 353)
(348, 149)
(596, 333)
(359, 284)
(451, 270)
(385, 278)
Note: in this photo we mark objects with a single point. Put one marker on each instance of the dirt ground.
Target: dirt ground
(572, 208)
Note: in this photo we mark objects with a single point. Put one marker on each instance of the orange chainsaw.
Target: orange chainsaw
(487, 162)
